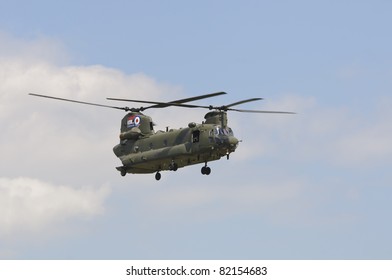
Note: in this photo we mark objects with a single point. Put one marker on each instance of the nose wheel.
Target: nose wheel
(158, 176)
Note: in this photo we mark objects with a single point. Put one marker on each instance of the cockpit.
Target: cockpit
(224, 138)
(219, 131)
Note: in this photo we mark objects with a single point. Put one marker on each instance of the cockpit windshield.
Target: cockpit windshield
(223, 131)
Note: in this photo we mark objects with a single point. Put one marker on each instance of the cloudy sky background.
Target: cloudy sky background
(316, 185)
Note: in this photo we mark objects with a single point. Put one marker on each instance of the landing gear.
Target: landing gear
(173, 166)
(158, 176)
(205, 170)
(122, 169)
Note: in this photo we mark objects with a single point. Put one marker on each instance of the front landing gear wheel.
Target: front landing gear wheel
(158, 176)
(123, 172)
(205, 170)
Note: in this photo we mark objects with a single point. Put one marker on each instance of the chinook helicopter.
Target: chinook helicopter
(142, 150)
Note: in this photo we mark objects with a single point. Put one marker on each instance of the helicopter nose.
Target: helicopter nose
(229, 143)
(233, 141)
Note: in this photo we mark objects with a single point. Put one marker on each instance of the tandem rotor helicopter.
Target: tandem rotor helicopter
(142, 150)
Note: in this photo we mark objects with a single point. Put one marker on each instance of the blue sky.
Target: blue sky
(316, 185)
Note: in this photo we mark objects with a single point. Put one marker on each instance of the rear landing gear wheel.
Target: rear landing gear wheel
(158, 176)
(205, 170)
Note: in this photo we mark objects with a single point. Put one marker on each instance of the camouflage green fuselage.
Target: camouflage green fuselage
(147, 151)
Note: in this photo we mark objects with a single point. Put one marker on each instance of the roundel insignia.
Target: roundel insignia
(137, 121)
(133, 121)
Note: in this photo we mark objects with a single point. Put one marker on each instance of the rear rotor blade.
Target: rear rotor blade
(80, 102)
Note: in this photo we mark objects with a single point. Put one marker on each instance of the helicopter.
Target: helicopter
(142, 150)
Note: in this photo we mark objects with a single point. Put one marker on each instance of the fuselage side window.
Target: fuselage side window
(196, 136)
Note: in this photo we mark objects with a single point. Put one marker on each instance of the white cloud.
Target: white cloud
(31, 206)
(65, 138)
(64, 143)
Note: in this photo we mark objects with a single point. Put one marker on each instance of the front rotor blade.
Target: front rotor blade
(198, 97)
(80, 102)
(178, 103)
(261, 112)
(243, 101)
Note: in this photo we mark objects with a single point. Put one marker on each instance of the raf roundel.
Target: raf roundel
(137, 120)
(133, 121)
